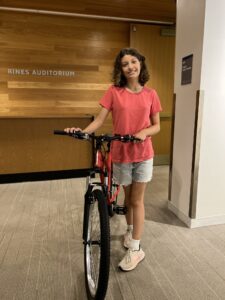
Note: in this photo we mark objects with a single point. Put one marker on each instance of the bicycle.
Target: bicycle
(100, 204)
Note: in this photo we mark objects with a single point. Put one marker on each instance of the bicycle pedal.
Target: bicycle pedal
(120, 210)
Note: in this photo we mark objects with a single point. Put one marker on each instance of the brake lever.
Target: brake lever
(80, 135)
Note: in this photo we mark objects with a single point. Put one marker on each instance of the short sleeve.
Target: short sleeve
(156, 105)
(107, 100)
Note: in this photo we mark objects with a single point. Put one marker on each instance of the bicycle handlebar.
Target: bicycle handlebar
(104, 137)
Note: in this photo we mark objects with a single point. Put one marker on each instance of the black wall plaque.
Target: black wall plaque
(186, 74)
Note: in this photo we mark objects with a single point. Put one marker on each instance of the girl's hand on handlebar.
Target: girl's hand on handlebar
(72, 129)
(141, 136)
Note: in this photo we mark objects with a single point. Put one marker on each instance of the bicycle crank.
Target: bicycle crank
(120, 210)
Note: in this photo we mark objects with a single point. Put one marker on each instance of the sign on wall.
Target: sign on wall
(38, 72)
(186, 73)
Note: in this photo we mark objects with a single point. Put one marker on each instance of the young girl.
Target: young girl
(135, 110)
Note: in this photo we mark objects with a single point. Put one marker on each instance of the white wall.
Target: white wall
(189, 38)
(211, 185)
(201, 32)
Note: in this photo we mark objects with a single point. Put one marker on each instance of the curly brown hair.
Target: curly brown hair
(118, 78)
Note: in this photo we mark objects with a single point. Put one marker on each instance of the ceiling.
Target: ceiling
(146, 10)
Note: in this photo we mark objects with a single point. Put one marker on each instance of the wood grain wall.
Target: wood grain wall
(32, 105)
(31, 42)
(29, 145)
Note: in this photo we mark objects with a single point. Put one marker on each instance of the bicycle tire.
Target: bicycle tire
(96, 245)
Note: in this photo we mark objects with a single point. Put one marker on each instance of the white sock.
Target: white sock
(135, 244)
(130, 228)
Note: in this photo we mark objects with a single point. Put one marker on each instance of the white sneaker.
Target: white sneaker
(127, 239)
(131, 259)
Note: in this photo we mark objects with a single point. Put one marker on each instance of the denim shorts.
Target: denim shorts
(126, 173)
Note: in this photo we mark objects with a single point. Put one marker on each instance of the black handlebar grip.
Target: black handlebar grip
(61, 132)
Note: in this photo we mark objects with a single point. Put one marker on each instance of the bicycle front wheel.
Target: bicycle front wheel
(96, 246)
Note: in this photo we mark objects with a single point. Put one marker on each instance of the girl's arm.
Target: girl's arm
(94, 125)
(152, 130)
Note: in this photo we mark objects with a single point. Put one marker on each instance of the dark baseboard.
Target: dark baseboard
(38, 176)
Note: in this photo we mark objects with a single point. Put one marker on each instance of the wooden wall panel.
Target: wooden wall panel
(31, 106)
(29, 145)
(43, 42)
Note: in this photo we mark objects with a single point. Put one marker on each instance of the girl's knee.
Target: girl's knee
(137, 202)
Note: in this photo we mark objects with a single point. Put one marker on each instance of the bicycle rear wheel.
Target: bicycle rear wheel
(96, 245)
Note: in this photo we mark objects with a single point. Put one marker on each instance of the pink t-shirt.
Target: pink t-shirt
(130, 113)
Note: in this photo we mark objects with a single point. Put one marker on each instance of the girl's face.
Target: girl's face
(131, 67)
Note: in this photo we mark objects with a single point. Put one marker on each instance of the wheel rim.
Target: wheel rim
(93, 249)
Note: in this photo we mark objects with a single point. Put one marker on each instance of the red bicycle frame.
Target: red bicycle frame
(103, 161)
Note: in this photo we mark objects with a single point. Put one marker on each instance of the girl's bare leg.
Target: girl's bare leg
(129, 214)
(134, 201)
